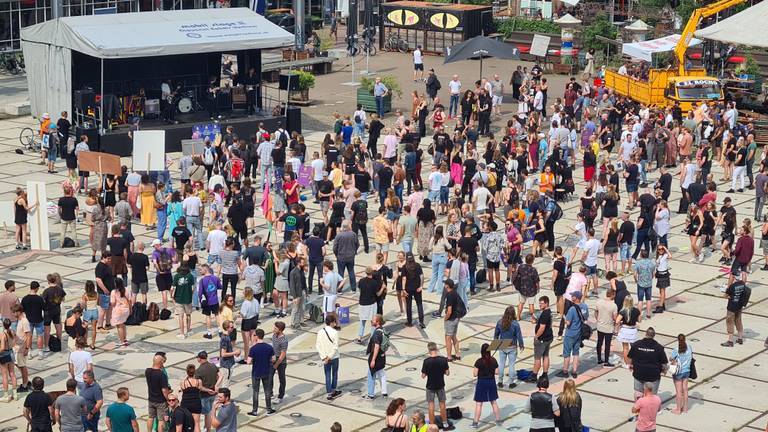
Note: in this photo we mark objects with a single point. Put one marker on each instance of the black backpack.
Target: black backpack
(165, 314)
(461, 309)
(189, 421)
(68, 243)
(54, 344)
(138, 314)
(586, 330)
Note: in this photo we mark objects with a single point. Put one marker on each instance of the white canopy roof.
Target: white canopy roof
(741, 29)
(147, 34)
(644, 50)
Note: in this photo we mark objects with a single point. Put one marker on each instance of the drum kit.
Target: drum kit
(186, 102)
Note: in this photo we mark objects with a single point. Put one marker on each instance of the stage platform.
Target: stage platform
(117, 141)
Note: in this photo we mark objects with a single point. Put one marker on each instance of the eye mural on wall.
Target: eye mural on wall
(444, 20)
(403, 17)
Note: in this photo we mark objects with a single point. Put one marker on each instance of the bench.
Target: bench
(319, 66)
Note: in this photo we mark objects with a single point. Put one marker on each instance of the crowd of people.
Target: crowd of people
(486, 201)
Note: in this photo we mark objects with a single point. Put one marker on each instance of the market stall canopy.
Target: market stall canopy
(645, 50)
(740, 29)
(567, 19)
(638, 26)
(571, 3)
(160, 33)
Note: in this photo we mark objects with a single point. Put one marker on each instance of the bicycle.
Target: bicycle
(30, 140)
(395, 43)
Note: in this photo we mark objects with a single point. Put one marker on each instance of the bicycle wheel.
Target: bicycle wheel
(27, 137)
(402, 46)
(371, 50)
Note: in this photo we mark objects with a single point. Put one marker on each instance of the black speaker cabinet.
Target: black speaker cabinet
(289, 82)
(292, 119)
(84, 98)
(94, 143)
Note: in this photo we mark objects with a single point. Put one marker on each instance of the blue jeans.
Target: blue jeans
(361, 330)
(162, 222)
(453, 107)
(439, 262)
(399, 192)
(472, 271)
(266, 173)
(407, 245)
(350, 267)
(193, 222)
(382, 196)
(331, 375)
(463, 289)
(643, 242)
(195, 291)
(92, 424)
(508, 356)
(380, 105)
(371, 381)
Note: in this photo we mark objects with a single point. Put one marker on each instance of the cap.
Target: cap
(202, 355)
(576, 294)
(156, 242)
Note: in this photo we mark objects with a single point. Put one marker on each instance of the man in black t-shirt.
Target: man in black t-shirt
(68, 208)
(626, 234)
(180, 235)
(158, 391)
(385, 175)
(362, 180)
(377, 357)
(451, 320)
(360, 218)
(324, 194)
(331, 155)
(469, 245)
(118, 248)
(542, 339)
(255, 253)
(179, 416)
(105, 283)
(647, 360)
(139, 263)
(435, 368)
(38, 407)
(34, 305)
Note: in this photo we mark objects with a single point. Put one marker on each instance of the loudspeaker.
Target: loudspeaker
(285, 82)
(292, 119)
(94, 141)
(84, 98)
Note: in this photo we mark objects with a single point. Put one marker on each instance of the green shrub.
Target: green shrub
(600, 27)
(507, 26)
(306, 80)
(389, 80)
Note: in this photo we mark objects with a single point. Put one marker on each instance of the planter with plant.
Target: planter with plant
(306, 81)
(365, 95)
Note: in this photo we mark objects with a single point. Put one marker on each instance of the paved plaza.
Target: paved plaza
(729, 393)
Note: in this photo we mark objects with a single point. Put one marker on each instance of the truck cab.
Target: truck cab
(689, 91)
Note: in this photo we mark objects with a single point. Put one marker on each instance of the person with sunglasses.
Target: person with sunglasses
(179, 418)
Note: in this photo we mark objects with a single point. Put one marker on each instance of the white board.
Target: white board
(149, 150)
(540, 45)
(6, 217)
(38, 217)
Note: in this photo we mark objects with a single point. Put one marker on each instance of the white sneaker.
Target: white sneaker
(277, 401)
(181, 336)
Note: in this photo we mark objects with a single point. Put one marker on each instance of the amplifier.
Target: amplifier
(84, 98)
(152, 108)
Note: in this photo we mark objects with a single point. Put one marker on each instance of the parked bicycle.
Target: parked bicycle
(395, 43)
(12, 63)
(30, 139)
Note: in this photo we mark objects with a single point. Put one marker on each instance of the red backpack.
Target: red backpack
(236, 169)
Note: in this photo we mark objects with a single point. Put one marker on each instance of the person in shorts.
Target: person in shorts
(451, 320)
(139, 263)
(157, 392)
(435, 368)
(22, 343)
(208, 293)
(542, 339)
(181, 292)
(163, 259)
(572, 340)
(33, 306)
(331, 283)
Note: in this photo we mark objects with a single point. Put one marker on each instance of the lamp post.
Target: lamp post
(568, 24)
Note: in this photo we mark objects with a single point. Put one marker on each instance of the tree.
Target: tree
(600, 27)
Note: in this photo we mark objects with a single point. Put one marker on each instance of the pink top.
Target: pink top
(415, 200)
(577, 283)
(649, 406)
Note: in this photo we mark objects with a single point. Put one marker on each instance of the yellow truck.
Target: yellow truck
(664, 87)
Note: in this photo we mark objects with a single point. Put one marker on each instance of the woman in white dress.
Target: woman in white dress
(589, 69)
(628, 318)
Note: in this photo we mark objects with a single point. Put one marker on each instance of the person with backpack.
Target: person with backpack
(554, 214)
(575, 320)
(208, 294)
(180, 418)
(360, 218)
(163, 259)
(377, 358)
(738, 294)
(209, 157)
(455, 310)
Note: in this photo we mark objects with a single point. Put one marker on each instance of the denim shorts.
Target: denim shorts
(207, 404)
(434, 196)
(37, 328)
(625, 252)
(90, 315)
(591, 270)
(103, 301)
(444, 190)
(571, 345)
(644, 293)
(214, 258)
(682, 376)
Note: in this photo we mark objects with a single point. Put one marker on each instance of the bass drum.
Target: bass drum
(185, 105)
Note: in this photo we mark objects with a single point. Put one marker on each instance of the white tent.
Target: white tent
(740, 29)
(48, 46)
(644, 50)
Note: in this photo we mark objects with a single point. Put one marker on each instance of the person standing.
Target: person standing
(33, 306)
(38, 408)
(682, 357)
(224, 412)
(738, 294)
(647, 360)
(469, 245)
(569, 404)
(68, 209)
(485, 369)
(526, 281)
(574, 319)
(605, 315)
(181, 292)
(370, 290)
(163, 258)
(297, 283)
(644, 268)
(23, 345)
(120, 416)
(345, 248)
(413, 285)
(542, 339)
(280, 346)
(646, 408)
(70, 409)
(508, 332)
(418, 64)
(435, 368)
(158, 390)
(377, 358)
(543, 407)
(454, 86)
(327, 346)
(208, 373)
(261, 358)
(193, 210)
(94, 400)
(380, 90)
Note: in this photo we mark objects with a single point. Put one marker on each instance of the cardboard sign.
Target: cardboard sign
(97, 162)
(149, 150)
(192, 146)
(305, 176)
(540, 45)
(38, 217)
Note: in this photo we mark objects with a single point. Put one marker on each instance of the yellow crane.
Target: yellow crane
(665, 87)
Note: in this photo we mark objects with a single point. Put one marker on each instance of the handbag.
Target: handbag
(693, 374)
(672, 369)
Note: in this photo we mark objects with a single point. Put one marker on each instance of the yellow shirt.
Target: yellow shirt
(380, 230)
(337, 176)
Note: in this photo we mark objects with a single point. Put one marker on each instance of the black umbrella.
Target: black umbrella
(481, 47)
